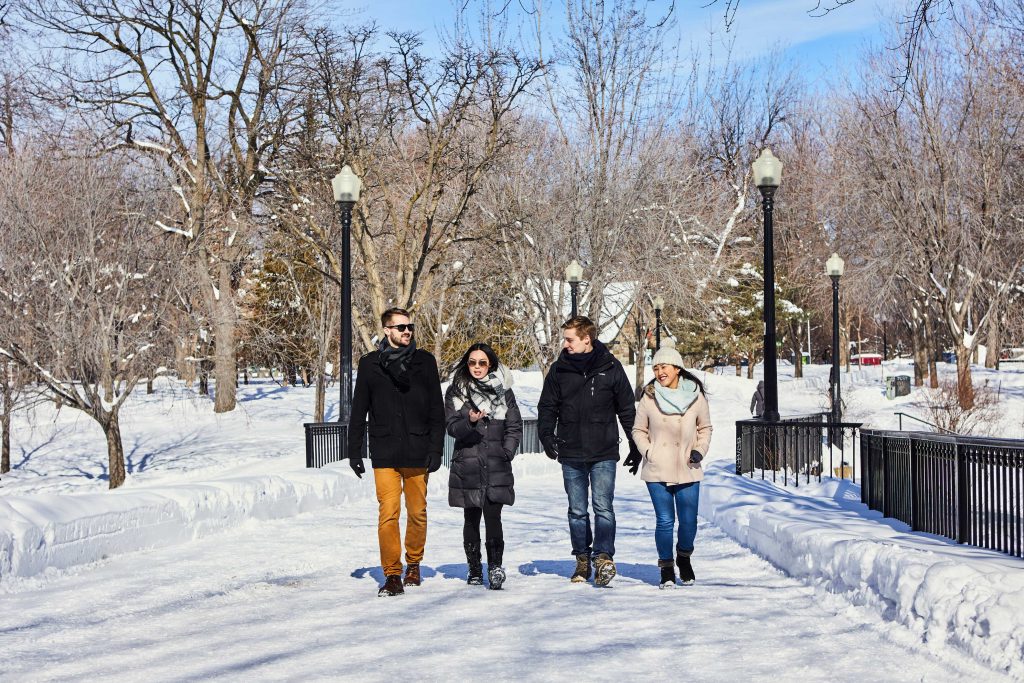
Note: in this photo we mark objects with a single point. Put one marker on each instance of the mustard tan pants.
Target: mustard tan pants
(391, 484)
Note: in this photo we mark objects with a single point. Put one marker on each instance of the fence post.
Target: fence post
(962, 511)
(883, 489)
(913, 485)
(739, 449)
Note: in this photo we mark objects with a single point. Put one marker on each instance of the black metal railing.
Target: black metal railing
(965, 488)
(800, 446)
(324, 439)
(919, 420)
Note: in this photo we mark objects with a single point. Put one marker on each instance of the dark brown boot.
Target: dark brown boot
(392, 586)
(412, 575)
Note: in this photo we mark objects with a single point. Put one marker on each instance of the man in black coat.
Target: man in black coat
(399, 387)
(585, 390)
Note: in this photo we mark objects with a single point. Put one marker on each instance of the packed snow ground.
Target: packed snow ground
(194, 474)
(296, 599)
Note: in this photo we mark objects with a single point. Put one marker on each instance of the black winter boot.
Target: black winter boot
(668, 574)
(476, 570)
(686, 574)
(495, 572)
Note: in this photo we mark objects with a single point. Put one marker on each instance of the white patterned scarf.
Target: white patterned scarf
(487, 394)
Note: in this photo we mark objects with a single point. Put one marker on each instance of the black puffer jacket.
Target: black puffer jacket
(482, 464)
(406, 423)
(580, 408)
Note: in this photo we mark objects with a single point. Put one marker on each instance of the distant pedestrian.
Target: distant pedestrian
(585, 390)
(399, 388)
(484, 419)
(757, 400)
(673, 431)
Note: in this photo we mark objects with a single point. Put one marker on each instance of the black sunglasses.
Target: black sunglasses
(402, 328)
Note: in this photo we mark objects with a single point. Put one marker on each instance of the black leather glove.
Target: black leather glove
(634, 459)
(357, 466)
(435, 464)
(695, 457)
(551, 445)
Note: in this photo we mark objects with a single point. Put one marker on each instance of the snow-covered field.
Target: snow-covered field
(223, 556)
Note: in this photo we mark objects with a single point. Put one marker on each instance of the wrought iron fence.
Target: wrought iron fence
(324, 439)
(965, 488)
(805, 446)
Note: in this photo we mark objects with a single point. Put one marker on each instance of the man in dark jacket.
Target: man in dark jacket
(585, 390)
(399, 387)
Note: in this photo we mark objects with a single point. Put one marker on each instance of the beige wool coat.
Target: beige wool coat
(666, 440)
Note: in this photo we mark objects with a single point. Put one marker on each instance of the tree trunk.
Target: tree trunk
(319, 407)
(964, 384)
(739, 367)
(225, 373)
(115, 451)
(5, 429)
(186, 368)
(995, 341)
(920, 353)
(149, 384)
(933, 352)
(204, 377)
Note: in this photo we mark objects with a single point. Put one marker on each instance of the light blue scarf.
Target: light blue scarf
(676, 401)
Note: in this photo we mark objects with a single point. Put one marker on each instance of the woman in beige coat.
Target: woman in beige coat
(673, 431)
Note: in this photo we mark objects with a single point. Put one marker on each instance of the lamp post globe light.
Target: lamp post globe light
(835, 267)
(346, 186)
(659, 306)
(767, 176)
(573, 275)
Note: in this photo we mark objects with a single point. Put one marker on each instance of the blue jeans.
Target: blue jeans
(599, 479)
(668, 499)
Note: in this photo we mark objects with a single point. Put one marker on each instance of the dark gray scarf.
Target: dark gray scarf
(395, 361)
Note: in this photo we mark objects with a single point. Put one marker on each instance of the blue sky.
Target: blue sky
(822, 46)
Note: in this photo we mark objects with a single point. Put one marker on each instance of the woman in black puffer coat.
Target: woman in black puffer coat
(483, 418)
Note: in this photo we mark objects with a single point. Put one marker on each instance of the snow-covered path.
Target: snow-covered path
(295, 599)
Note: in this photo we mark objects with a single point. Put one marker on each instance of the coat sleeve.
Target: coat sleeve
(703, 426)
(547, 407)
(624, 405)
(436, 408)
(457, 420)
(360, 407)
(641, 427)
(513, 426)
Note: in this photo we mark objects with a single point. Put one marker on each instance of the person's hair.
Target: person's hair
(583, 326)
(461, 378)
(386, 316)
(686, 374)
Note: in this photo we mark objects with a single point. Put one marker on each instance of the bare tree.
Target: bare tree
(84, 284)
(201, 87)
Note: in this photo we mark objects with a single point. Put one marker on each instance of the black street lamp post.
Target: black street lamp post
(659, 306)
(346, 187)
(767, 175)
(573, 275)
(834, 267)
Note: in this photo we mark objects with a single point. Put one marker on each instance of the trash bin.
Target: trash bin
(902, 385)
(890, 387)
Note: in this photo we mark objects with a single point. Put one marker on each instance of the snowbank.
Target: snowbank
(51, 532)
(947, 594)
(44, 531)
